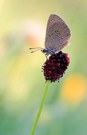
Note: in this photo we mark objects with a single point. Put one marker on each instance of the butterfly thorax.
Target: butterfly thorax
(47, 52)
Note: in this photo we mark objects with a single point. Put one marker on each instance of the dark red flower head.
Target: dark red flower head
(55, 66)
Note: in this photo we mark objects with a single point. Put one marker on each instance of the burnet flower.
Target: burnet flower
(55, 66)
(53, 70)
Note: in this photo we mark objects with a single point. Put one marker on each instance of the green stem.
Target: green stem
(40, 108)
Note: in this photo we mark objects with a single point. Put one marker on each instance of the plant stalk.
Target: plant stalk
(40, 109)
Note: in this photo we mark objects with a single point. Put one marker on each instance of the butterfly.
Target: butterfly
(57, 36)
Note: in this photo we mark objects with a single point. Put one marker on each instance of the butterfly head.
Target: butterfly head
(48, 52)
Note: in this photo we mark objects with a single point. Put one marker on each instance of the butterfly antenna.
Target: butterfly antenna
(35, 49)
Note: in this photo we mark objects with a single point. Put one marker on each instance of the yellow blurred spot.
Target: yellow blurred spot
(74, 89)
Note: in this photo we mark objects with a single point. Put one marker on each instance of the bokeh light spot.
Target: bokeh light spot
(74, 89)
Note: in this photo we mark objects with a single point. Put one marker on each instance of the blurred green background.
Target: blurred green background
(22, 25)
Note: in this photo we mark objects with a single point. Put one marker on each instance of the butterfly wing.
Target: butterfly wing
(57, 33)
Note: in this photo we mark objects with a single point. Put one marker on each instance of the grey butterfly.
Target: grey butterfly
(57, 35)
